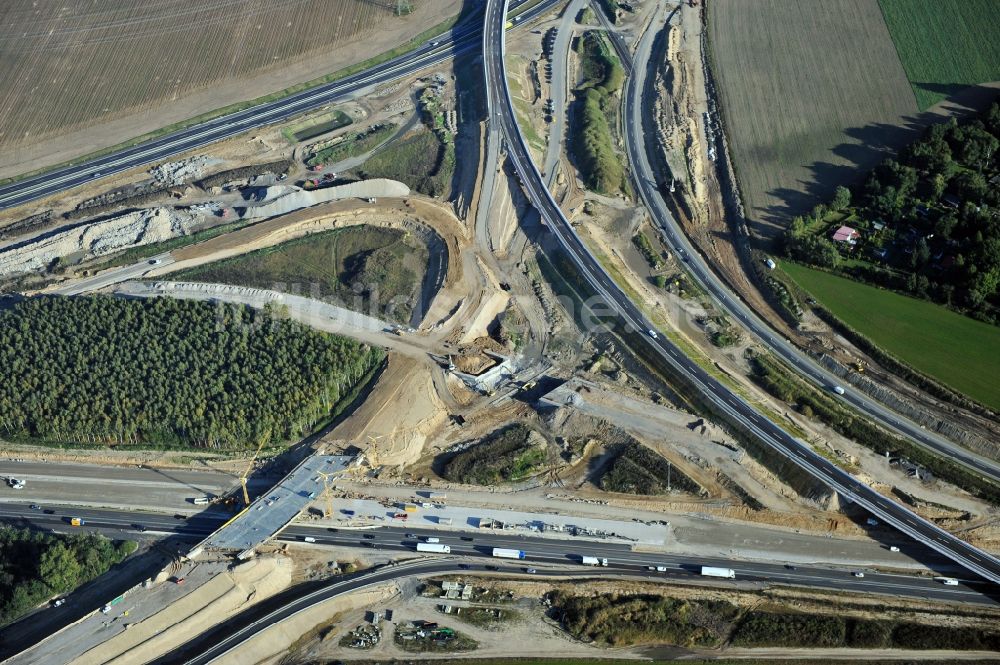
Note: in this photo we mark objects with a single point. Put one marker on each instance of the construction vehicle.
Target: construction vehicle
(76, 521)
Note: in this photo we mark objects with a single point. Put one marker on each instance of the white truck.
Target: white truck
(437, 548)
(593, 561)
(711, 571)
(503, 553)
(948, 581)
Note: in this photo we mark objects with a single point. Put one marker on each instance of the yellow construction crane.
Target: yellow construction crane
(243, 478)
(327, 491)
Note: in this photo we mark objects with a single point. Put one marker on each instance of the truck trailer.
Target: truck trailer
(438, 548)
(593, 561)
(507, 554)
(709, 571)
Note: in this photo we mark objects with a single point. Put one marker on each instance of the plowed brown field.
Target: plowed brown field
(77, 64)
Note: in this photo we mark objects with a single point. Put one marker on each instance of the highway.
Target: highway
(725, 401)
(539, 550)
(462, 38)
(645, 181)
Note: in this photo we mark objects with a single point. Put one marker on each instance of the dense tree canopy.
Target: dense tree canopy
(167, 372)
(35, 566)
(930, 220)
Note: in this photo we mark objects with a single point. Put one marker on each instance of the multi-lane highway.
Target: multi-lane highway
(464, 37)
(636, 99)
(725, 401)
(539, 550)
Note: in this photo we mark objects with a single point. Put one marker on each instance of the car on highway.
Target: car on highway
(652, 333)
(789, 566)
(858, 573)
(369, 536)
(464, 566)
(491, 567)
(530, 571)
(839, 390)
(49, 511)
(410, 535)
(178, 580)
(58, 602)
(138, 527)
(154, 262)
(35, 506)
(467, 538)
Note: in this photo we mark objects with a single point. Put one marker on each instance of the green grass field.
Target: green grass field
(945, 44)
(957, 351)
(387, 264)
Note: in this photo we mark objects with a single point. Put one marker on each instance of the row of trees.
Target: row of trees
(35, 566)
(104, 370)
(593, 146)
(942, 215)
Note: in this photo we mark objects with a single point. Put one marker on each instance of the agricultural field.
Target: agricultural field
(956, 350)
(388, 264)
(812, 94)
(945, 45)
(130, 68)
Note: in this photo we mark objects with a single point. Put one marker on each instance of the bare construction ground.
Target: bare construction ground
(79, 77)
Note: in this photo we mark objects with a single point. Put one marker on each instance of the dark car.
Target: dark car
(491, 568)
(463, 566)
(789, 566)
(138, 527)
(468, 538)
(49, 511)
(178, 516)
(331, 529)
(369, 536)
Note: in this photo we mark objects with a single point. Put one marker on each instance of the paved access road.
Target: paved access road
(462, 38)
(724, 400)
(636, 99)
(538, 550)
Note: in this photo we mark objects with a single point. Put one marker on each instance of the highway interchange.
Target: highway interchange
(546, 551)
(725, 401)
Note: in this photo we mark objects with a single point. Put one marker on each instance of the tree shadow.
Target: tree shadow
(865, 148)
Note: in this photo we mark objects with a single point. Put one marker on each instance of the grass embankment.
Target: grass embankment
(638, 470)
(337, 120)
(811, 402)
(596, 110)
(36, 566)
(386, 264)
(623, 619)
(953, 349)
(944, 45)
(353, 146)
(488, 618)
(423, 161)
(507, 455)
(168, 373)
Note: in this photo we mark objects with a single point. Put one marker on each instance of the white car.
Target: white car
(652, 334)
(858, 574)
(839, 390)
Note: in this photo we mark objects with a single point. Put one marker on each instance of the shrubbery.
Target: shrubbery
(506, 455)
(638, 470)
(593, 145)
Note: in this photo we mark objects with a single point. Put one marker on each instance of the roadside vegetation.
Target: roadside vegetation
(507, 455)
(36, 566)
(429, 637)
(627, 619)
(645, 247)
(336, 120)
(487, 618)
(366, 268)
(923, 223)
(953, 349)
(635, 469)
(944, 46)
(595, 110)
(353, 145)
(106, 371)
(620, 620)
(813, 403)
(422, 161)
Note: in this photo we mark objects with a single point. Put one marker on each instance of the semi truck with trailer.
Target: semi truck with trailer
(593, 561)
(437, 548)
(710, 571)
(502, 553)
